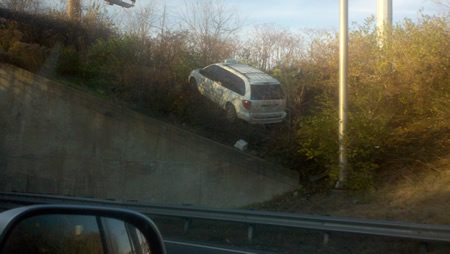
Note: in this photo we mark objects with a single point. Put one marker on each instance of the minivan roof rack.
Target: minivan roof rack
(252, 73)
(230, 61)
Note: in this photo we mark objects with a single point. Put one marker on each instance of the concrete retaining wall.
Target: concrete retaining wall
(58, 140)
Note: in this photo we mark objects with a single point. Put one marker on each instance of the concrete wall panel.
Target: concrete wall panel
(58, 140)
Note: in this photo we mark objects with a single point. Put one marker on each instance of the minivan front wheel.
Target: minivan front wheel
(230, 113)
(193, 85)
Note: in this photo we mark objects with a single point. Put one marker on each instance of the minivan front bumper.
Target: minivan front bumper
(262, 118)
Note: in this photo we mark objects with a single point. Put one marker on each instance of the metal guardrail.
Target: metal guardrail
(423, 232)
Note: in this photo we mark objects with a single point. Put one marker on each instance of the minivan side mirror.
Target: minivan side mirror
(77, 229)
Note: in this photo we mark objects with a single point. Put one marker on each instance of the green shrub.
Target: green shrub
(69, 62)
(399, 101)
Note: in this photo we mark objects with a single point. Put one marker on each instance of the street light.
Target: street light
(74, 7)
(384, 19)
(343, 70)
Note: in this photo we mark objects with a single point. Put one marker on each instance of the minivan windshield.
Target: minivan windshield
(266, 92)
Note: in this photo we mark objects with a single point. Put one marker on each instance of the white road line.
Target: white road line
(209, 247)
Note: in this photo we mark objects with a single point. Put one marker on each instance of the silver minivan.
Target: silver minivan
(242, 90)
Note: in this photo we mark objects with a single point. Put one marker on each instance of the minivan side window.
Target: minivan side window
(210, 72)
(231, 81)
(221, 75)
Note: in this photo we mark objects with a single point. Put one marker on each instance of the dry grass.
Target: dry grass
(421, 195)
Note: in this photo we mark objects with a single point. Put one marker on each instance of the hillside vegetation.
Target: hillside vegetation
(399, 94)
(421, 195)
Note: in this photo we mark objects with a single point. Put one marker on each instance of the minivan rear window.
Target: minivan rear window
(266, 92)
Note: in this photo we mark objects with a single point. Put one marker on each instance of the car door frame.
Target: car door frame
(206, 83)
(224, 93)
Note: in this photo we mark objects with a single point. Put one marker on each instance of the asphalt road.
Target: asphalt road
(176, 247)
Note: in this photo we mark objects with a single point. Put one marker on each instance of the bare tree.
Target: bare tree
(212, 24)
(443, 3)
(271, 46)
(140, 21)
(95, 14)
(32, 6)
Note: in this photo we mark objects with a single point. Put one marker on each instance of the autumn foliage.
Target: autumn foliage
(399, 93)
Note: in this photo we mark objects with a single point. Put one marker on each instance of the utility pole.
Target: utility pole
(74, 9)
(343, 70)
(384, 19)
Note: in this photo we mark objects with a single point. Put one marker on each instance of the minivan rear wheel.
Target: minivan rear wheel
(230, 113)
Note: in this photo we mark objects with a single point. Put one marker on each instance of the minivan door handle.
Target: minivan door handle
(270, 104)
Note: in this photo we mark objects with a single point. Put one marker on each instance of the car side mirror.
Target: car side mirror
(77, 229)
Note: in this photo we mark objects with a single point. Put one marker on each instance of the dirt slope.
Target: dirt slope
(416, 197)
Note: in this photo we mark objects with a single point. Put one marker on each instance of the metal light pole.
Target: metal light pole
(343, 70)
(384, 18)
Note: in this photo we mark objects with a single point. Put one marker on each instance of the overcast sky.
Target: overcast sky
(309, 13)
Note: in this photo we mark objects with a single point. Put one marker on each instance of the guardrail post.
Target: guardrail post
(250, 233)
(326, 238)
(187, 225)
